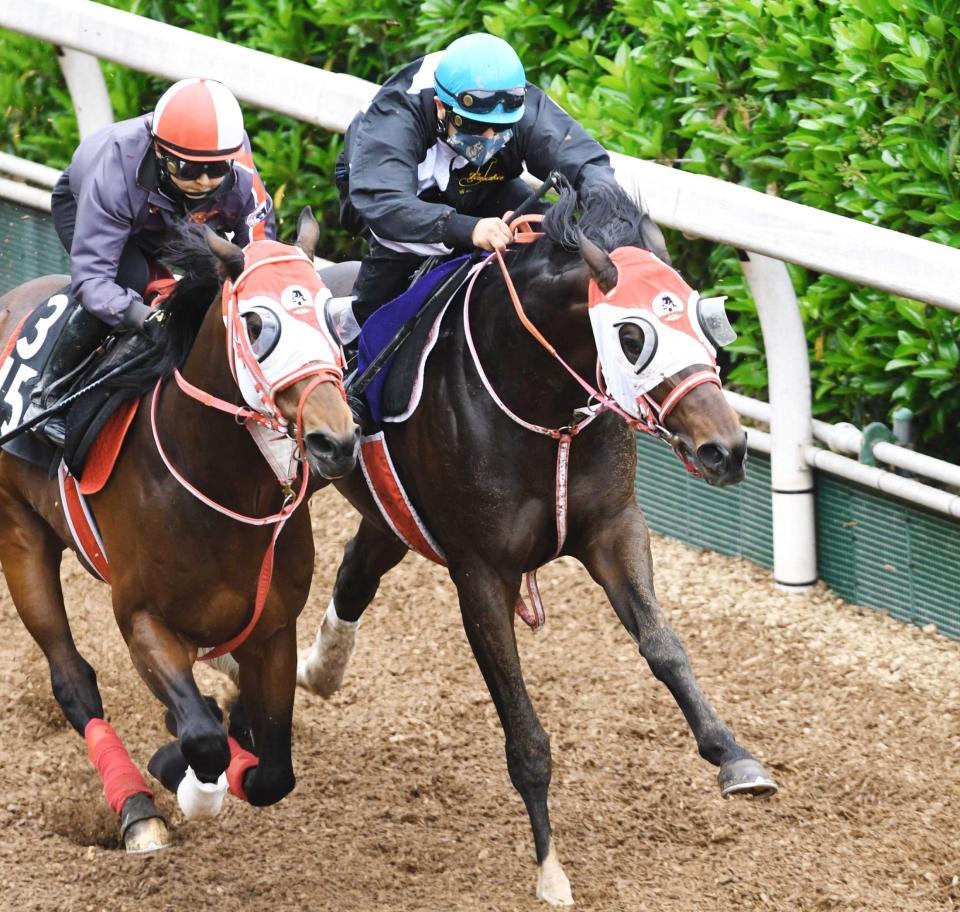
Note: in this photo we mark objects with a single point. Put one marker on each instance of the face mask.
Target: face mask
(478, 150)
(677, 328)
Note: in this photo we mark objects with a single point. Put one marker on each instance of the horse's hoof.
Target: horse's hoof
(142, 828)
(144, 836)
(552, 884)
(745, 777)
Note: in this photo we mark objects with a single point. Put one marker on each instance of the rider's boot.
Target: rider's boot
(80, 336)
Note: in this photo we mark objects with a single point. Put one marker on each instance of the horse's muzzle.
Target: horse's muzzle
(333, 457)
(722, 465)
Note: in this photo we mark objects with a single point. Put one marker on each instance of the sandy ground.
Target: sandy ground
(403, 801)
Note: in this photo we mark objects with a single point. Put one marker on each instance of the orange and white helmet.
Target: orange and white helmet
(198, 120)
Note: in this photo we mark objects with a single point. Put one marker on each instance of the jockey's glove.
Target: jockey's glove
(140, 317)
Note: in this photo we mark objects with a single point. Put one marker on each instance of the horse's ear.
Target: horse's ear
(227, 253)
(602, 268)
(652, 238)
(308, 232)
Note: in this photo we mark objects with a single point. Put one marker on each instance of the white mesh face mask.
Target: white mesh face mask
(651, 326)
(277, 328)
(286, 343)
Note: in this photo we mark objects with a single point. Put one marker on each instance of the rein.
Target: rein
(653, 415)
(237, 346)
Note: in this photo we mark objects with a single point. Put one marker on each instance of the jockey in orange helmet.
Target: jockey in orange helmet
(118, 203)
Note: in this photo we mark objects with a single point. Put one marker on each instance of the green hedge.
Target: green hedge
(846, 105)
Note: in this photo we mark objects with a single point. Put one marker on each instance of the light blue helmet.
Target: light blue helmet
(481, 78)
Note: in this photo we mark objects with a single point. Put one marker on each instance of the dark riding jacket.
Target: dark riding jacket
(415, 193)
(115, 187)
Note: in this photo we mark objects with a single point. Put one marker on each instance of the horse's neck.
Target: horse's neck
(215, 439)
(521, 370)
(206, 366)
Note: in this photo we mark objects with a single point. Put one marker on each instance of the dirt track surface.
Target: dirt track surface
(403, 801)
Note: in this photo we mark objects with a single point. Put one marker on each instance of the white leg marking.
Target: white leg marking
(321, 672)
(552, 884)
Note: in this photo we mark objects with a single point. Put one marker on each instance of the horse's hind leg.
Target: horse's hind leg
(487, 604)
(30, 554)
(617, 555)
(366, 558)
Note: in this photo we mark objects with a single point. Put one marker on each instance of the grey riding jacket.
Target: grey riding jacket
(114, 185)
(416, 194)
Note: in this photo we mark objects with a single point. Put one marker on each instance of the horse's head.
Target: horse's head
(283, 354)
(657, 341)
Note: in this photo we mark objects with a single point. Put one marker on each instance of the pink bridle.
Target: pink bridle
(653, 415)
(238, 347)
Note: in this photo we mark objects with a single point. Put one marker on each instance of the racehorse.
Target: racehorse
(189, 519)
(508, 465)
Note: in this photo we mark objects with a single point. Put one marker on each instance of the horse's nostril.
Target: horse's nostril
(714, 456)
(330, 452)
(320, 445)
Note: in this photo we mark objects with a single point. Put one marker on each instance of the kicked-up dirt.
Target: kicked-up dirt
(403, 802)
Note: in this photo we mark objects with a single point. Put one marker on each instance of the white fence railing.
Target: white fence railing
(769, 231)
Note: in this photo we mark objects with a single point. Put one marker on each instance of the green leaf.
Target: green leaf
(891, 31)
(934, 373)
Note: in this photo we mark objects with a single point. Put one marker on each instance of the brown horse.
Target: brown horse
(189, 518)
(482, 461)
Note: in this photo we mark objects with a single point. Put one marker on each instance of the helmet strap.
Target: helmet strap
(442, 129)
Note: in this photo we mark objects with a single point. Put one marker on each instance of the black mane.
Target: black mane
(189, 255)
(603, 211)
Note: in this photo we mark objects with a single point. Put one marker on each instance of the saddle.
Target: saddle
(22, 360)
(394, 393)
(22, 363)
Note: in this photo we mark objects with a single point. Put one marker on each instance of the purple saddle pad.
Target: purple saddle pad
(384, 323)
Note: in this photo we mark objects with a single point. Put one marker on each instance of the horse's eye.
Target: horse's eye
(631, 341)
(263, 331)
(254, 325)
(638, 343)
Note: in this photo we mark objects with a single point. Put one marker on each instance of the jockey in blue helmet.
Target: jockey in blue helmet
(481, 86)
(435, 160)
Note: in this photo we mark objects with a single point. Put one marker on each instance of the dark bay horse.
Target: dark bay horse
(189, 518)
(480, 460)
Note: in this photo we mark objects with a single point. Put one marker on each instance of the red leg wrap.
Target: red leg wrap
(240, 761)
(121, 778)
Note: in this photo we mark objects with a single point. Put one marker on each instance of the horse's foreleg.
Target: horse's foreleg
(617, 555)
(30, 554)
(268, 679)
(366, 558)
(166, 665)
(487, 603)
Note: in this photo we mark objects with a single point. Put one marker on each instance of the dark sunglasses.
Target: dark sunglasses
(477, 127)
(191, 170)
(482, 101)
